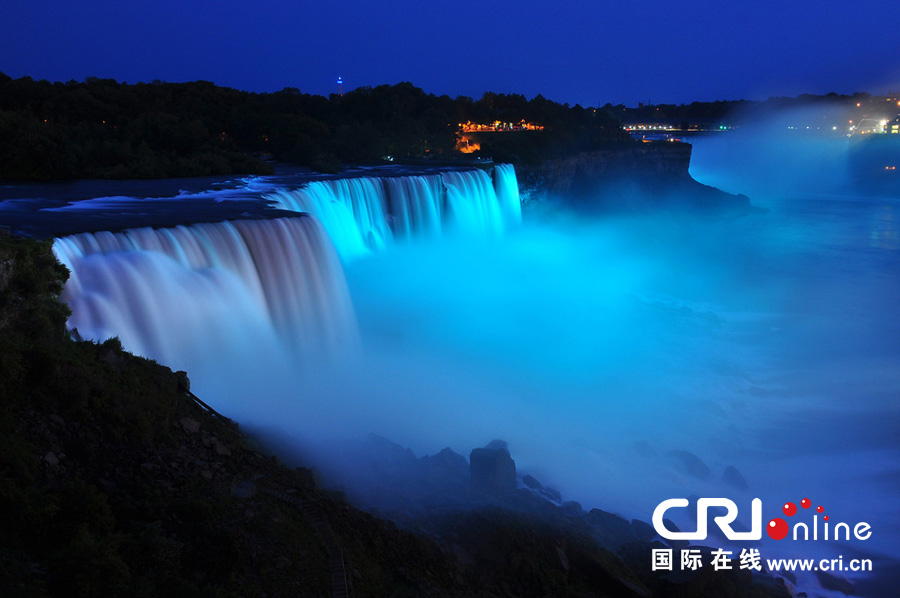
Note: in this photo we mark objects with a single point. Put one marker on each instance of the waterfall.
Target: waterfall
(368, 213)
(472, 203)
(246, 294)
(506, 186)
(415, 205)
(351, 210)
(181, 295)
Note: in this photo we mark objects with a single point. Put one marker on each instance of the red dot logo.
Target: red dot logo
(790, 509)
(825, 517)
(820, 509)
(777, 528)
(806, 503)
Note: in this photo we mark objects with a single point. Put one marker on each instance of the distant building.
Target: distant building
(499, 126)
(467, 144)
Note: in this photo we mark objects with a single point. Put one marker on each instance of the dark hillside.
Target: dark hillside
(100, 128)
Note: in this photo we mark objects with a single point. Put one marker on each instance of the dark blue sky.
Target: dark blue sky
(577, 52)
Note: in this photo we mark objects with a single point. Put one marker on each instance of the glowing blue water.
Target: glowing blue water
(249, 293)
(768, 342)
(596, 348)
(370, 213)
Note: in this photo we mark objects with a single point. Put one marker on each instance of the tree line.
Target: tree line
(101, 128)
(831, 106)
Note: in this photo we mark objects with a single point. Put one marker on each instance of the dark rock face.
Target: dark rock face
(612, 529)
(631, 177)
(834, 583)
(690, 464)
(580, 174)
(445, 463)
(541, 491)
(643, 530)
(733, 478)
(532, 483)
(491, 468)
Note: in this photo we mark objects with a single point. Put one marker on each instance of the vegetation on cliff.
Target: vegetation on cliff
(100, 128)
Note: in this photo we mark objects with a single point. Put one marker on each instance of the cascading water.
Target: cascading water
(415, 205)
(481, 215)
(506, 186)
(365, 214)
(351, 210)
(247, 302)
(183, 294)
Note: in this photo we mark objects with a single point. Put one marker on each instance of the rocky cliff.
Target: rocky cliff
(625, 177)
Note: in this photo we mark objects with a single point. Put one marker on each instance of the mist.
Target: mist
(799, 150)
(605, 349)
(614, 353)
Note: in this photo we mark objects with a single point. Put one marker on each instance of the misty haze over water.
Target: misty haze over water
(598, 347)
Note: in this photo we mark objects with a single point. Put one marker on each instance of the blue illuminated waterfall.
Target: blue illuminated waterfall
(506, 186)
(187, 294)
(369, 213)
(180, 294)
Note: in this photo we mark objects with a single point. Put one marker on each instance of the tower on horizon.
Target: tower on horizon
(340, 86)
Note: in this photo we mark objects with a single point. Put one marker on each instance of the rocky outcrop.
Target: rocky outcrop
(625, 177)
(733, 478)
(492, 468)
(576, 174)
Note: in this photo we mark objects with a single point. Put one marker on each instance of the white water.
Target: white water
(369, 213)
(250, 292)
(506, 186)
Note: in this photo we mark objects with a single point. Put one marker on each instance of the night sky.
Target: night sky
(577, 52)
